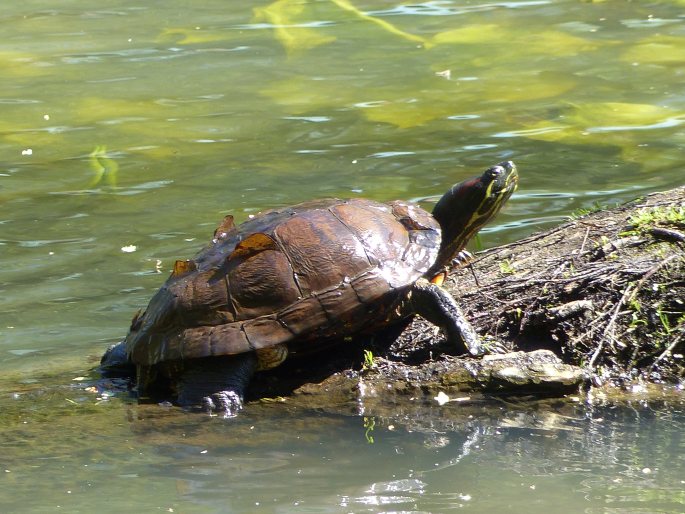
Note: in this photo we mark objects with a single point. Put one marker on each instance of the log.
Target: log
(599, 299)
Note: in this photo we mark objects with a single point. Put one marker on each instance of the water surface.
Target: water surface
(128, 131)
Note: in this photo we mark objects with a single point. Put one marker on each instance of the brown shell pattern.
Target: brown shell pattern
(318, 269)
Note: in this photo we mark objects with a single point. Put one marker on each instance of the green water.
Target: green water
(128, 131)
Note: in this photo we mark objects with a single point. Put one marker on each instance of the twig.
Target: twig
(582, 245)
(473, 273)
(667, 233)
(667, 351)
(609, 331)
(653, 270)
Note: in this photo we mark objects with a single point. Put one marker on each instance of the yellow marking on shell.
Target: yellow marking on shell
(268, 358)
(253, 244)
(183, 267)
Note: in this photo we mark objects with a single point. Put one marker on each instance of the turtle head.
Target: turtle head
(468, 206)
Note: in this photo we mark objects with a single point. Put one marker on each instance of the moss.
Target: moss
(646, 219)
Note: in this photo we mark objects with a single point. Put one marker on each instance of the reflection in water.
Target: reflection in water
(487, 455)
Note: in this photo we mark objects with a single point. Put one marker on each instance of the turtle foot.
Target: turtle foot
(216, 385)
(476, 348)
(225, 403)
(493, 346)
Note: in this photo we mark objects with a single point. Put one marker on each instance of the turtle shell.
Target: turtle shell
(323, 269)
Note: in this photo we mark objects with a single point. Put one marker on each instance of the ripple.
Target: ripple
(479, 147)
(114, 79)
(649, 22)
(145, 186)
(133, 190)
(173, 102)
(208, 141)
(667, 123)
(122, 120)
(69, 277)
(528, 222)
(464, 117)
(442, 9)
(81, 59)
(371, 104)
(576, 194)
(37, 243)
(19, 101)
(21, 352)
(313, 119)
(546, 194)
(384, 155)
(530, 132)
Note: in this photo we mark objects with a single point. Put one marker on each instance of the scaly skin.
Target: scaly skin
(434, 304)
(217, 385)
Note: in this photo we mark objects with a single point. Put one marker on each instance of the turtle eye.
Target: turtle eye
(495, 172)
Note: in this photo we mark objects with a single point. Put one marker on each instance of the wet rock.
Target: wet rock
(538, 372)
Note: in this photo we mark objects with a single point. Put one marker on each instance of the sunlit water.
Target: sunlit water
(495, 457)
(128, 131)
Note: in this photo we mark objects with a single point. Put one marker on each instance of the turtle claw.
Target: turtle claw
(493, 346)
(476, 348)
(225, 403)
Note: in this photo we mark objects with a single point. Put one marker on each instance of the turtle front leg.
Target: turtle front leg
(436, 305)
(217, 384)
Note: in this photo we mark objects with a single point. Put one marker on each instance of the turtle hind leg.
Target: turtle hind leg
(436, 305)
(216, 384)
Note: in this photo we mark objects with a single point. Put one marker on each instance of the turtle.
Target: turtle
(303, 277)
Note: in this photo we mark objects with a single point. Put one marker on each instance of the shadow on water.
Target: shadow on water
(494, 454)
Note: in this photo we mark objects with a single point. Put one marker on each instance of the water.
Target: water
(501, 456)
(128, 131)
